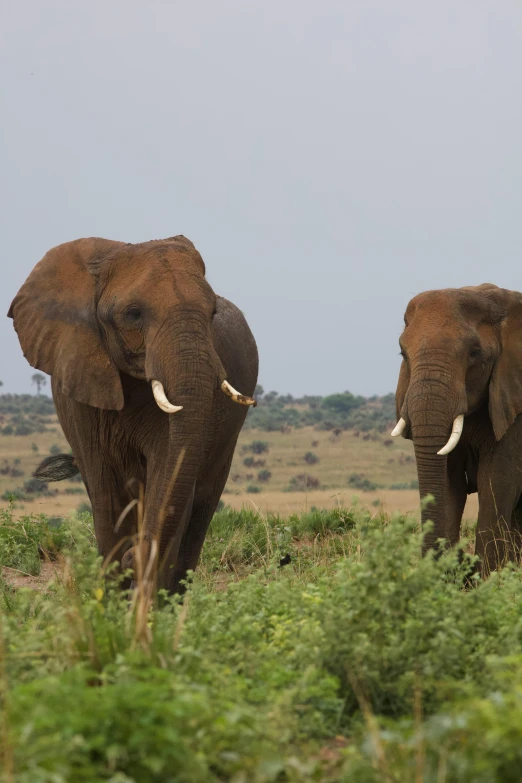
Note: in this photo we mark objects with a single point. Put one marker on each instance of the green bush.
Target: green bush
(23, 541)
(303, 482)
(257, 447)
(359, 481)
(31, 488)
(357, 638)
(252, 462)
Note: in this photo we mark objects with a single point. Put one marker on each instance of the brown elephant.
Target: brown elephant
(459, 397)
(142, 355)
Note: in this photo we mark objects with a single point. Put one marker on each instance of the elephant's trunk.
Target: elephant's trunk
(186, 364)
(432, 405)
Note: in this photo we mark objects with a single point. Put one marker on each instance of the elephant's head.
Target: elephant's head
(94, 311)
(460, 350)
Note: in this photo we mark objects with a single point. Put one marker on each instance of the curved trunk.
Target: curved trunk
(431, 411)
(187, 365)
(433, 480)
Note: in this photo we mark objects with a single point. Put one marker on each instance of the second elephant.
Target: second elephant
(459, 398)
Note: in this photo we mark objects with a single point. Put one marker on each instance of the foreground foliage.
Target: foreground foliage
(355, 661)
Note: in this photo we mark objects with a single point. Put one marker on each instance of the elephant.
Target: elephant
(143, 358)
(459, 399)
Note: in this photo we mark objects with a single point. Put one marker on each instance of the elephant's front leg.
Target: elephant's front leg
(114, 521)
(156, 547)
(205, 503)
(497, 541)
(457, 494)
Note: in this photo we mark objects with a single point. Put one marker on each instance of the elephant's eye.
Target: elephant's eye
(133, 314)
(475, 352)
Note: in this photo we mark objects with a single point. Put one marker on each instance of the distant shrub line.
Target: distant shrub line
(25, 414)
(337, 411)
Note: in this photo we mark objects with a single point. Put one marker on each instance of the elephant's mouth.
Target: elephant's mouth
(456, 432)
(164, 403)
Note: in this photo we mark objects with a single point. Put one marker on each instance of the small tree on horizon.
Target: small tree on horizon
(39, 380)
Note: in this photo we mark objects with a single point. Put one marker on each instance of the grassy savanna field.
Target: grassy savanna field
(313, 643)
(373, 456)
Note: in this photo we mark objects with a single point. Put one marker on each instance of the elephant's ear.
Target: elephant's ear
(54, 317)
(505, 388)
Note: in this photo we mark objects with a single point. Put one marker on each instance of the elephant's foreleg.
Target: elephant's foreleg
(114, 526)
(160, 530)
(456, 496)
(205, 504)
(499, 491)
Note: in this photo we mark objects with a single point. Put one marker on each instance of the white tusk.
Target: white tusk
(399, 428)
(161, 398)
(236, 396)
(454, 438)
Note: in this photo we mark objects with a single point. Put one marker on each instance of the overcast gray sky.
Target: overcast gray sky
(329, 159)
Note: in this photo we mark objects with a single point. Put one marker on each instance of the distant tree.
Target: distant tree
(1, 383)
(310, 458)
(342, 403)
(258, 391)
(39, 380)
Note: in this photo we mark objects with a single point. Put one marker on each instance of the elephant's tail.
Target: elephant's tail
(56, 468)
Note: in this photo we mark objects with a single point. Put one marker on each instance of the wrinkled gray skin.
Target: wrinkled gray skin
(104, 319)
(462, 354)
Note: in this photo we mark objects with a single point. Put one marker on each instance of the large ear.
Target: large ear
(505, 387)
(54, 316)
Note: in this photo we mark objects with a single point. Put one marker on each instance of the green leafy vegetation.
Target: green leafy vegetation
(357, 661)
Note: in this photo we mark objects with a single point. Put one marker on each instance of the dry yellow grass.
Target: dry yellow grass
(405, 500)
(378, 458)
(338, 458)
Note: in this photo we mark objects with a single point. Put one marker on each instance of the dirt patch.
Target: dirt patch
(17, 579)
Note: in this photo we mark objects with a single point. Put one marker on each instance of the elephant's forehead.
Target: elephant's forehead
(449, 305)
(162, 276)
(152, 258)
